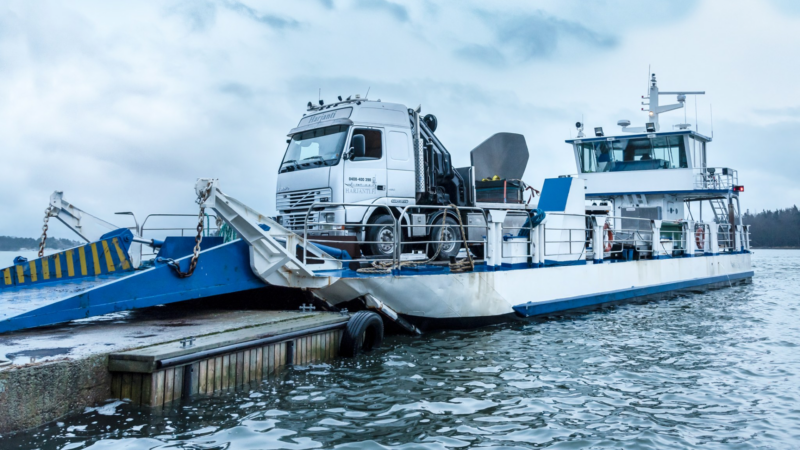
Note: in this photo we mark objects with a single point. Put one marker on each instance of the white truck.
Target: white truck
(367, 159)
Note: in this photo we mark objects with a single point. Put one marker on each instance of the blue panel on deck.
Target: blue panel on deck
(175, 247)
(554, 194)
(220, 270)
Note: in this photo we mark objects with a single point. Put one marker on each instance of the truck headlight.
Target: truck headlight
(329, 217)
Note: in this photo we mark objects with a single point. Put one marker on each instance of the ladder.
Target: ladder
(720, 209)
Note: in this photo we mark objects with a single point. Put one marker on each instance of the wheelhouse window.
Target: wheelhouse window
(619, 155)
(588, 160)
(315, 148)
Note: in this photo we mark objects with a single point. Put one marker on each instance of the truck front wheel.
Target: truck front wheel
(380, 235)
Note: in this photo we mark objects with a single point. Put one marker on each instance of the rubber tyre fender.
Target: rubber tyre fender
(364, 333)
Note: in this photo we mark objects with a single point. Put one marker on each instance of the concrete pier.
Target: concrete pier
(139, 356)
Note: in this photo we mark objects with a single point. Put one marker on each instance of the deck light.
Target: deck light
(650, 127)
(340, 98)
(738, 188)
(598, 131)
(310, 105)
(321, 102)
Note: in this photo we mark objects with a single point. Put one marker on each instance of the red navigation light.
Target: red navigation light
(738, 189)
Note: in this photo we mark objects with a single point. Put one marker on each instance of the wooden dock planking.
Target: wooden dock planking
(226, 372)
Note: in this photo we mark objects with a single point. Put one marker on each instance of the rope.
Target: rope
(227, 233)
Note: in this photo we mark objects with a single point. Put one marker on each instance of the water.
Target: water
(719, 369)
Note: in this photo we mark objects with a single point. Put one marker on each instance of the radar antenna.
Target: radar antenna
(654, 109)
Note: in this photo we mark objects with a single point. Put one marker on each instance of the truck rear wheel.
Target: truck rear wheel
(450, 237)
(381, 237)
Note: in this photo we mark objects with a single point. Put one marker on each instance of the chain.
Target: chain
(201, 198)
(47, 213)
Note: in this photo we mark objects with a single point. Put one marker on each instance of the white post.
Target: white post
(714, 239)
(656, 244)
(495, 237)
(691, 247)
(541, 241)
(598, 244)
(739, 238)
(747, 237)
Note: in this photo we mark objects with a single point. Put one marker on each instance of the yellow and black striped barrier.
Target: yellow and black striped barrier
(106, 256)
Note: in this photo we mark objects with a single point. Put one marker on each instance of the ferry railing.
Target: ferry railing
(397, 227)
(208, 229)
(671, 240)
(639, 238)
(725, 238)
(715, 178)
(701, 234)
(318, 207)
(437, 222)
(515, 238)
(576, 240)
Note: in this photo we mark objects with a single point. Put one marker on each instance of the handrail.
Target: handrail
(715, 177)
(327, 204)
(642, 238)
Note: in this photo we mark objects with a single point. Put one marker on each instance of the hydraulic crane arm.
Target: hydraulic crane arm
(89, 227)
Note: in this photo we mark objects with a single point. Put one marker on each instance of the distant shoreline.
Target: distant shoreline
(20, 244)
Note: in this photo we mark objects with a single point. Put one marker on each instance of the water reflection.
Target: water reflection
(715, 369)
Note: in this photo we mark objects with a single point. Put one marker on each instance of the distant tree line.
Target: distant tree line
(10, 244)
(774, 229)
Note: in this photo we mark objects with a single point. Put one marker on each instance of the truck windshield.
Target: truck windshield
(315, 148)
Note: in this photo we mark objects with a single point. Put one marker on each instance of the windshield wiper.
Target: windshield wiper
(292, 162)
(322, 159)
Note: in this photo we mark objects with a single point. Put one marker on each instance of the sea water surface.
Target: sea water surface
(715, 369)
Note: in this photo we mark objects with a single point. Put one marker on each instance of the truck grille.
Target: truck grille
(289, 201)
(293, 206)
(296, 221)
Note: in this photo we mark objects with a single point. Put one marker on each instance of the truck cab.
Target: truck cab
(358, 155)
(354, 168)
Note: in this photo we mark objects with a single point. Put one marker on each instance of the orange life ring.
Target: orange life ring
(700, 237)
(609, 237)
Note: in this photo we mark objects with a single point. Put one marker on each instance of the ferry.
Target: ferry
(373, 215)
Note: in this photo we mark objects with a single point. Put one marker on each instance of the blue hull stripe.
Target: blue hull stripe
(537, 308)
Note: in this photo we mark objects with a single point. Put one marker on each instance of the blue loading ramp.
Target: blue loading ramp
(98, 279)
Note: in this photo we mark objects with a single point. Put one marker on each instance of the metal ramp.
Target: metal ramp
(99, 277)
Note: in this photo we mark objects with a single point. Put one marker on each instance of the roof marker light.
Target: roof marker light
(738, 188)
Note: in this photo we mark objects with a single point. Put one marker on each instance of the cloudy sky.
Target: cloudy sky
(123, 105)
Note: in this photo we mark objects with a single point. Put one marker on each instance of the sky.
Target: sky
(123, 105)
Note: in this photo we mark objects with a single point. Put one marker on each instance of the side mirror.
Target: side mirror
(358, 146)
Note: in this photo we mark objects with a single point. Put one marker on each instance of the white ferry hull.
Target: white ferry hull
(475, 298)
